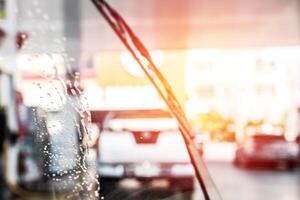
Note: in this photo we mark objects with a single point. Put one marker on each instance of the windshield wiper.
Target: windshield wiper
(143, 58)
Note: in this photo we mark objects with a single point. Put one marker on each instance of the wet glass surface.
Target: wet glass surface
(54, 153)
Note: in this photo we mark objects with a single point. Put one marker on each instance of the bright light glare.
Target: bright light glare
(132, 67)
(232, 83)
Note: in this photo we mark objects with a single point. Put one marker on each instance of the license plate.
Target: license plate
(147, 170)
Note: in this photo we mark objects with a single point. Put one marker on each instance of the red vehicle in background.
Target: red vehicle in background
(267, 150)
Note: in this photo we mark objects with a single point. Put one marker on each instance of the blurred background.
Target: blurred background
(234, 66)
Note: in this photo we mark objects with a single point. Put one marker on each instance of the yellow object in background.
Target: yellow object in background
(116, 71)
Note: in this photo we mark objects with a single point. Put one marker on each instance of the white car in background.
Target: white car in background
(144, 145)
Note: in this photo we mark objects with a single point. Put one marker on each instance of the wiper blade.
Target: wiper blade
(143, 58)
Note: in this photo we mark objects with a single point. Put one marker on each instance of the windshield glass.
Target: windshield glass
(159, 100)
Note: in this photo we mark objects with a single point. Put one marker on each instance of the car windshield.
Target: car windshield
(157, 99)
(159, 120)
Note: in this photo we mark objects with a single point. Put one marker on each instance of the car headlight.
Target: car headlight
(111, 170)
(182, 170)
(293, 150)
(147, 169)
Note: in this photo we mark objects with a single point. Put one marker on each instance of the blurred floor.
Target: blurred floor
(233, 183)
(256, 184)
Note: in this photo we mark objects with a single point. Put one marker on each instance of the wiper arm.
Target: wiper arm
(143, 58)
